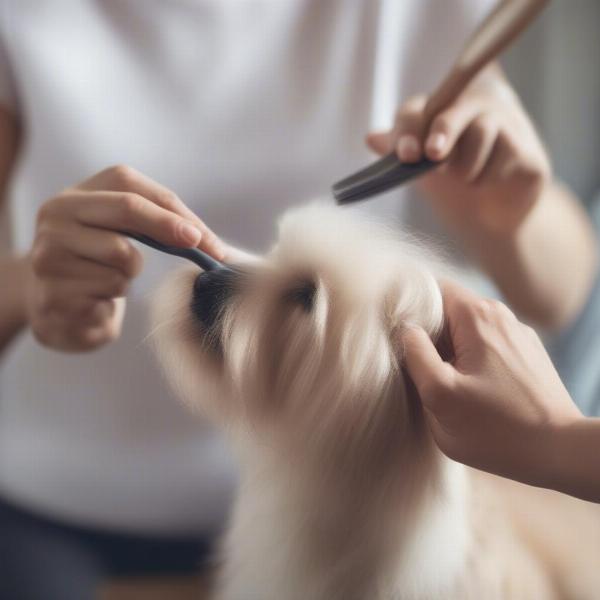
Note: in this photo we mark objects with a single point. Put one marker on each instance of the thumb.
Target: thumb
(422, 361)
(380, 141)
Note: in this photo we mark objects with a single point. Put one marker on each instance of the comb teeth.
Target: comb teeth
(379, 177)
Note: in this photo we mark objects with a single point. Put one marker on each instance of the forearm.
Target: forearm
(575, 468)
(12, 300)
(546, 268)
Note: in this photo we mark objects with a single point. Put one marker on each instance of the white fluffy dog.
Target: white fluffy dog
(344, 495)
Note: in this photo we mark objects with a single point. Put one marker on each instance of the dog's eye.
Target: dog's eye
(302, 294)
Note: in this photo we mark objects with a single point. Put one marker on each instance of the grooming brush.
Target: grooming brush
(500, 28)
(211, 286)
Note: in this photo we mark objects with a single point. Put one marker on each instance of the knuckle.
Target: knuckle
(81, 310)
(412, 105)
(172, 226)
(169, 200)
(130, 205)
(46, 255)
(405, 112)
(504, 312)
(209, 237)
(532, 176)
(46, 300)
(484, 315)
(477, 310)
(410, 111)
(123, 175)
(133, 263)
(45, 211)
(118, 252)
(41, 254)
(443, 123)
(484, 123)
(118, 285)
(486, 307)
(90, 338)
(122, 254)
(38, 259)
(498, 308)
(87, 340)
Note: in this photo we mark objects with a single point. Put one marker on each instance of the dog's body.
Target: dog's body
(344, 495)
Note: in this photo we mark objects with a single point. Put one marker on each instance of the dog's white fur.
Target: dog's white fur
(344, 495)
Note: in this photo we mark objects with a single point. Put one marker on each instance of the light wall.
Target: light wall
(556, 69)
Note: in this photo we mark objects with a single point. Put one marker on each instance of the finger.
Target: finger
(461, 307)
(447, 127)
(470, 318)
(380, 141)
(408, 130)
(87, 312)
(125, 211)
(148, 188)
(61, 294)
(67, 265)
(456, 296)
(88, 335)
(83, 252)
(123, 178)
(475, 147)
(423, 363)
(126, 179)
(506, 161)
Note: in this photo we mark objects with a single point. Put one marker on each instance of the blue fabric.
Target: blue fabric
(576, 352)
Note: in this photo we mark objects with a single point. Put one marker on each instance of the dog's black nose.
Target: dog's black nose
(212, 289)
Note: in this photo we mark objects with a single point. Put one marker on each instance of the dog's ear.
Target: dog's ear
(415, 299)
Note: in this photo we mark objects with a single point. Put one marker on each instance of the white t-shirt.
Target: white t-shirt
(243, 107)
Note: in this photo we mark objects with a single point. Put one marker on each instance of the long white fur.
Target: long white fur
(343, 495)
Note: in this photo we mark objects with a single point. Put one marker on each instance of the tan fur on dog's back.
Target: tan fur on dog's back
(562, 532)
(500, 562)
(343, 494)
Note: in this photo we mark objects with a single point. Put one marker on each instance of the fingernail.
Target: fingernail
(191, 235)
(409, 148)
(436, 143)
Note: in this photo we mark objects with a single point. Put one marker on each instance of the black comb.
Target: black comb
(381, 176)
(203, 260)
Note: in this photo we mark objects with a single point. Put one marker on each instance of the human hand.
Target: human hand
(495, 164)
(499, 404)
(80, 266)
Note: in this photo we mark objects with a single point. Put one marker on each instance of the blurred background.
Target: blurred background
(554, 68)
(562, 50)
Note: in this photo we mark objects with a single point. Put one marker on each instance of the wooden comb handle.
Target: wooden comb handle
(497, 31)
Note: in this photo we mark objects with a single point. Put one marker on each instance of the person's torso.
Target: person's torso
(242, 107)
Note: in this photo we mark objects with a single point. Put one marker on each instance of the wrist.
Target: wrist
(568, 455)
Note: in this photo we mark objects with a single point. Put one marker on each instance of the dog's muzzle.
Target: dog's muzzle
(212, 290)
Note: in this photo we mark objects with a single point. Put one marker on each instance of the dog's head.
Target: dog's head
(312, 332)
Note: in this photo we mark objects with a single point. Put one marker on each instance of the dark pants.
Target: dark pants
(44, 560)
